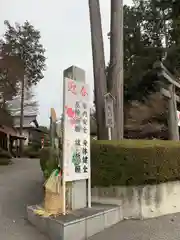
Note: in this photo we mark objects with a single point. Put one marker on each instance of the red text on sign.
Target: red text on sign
(70, 112)
(84, 92)
(72, 87)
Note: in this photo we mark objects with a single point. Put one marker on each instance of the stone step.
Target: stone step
(79, 224)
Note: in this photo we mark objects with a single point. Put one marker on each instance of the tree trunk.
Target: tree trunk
(98, 67)
(115, 76)
(22, 115)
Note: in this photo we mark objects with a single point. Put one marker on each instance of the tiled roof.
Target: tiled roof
(26, 122)
(9, 130)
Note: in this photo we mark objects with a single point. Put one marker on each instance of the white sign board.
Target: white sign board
(178, 117)
(109, 112)
(76, 135)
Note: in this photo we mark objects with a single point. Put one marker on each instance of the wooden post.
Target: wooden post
(173, 123)
(170, 93)
(8, 141)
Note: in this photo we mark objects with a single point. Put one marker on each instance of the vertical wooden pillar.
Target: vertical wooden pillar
(173, 122)
(7, 142)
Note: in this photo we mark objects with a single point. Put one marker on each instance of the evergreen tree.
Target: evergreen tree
(24, 45)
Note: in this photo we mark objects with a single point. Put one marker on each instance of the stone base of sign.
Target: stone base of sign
(79, 224)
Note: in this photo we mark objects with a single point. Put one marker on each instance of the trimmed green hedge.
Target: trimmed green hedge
(48, 161)
(134, 162)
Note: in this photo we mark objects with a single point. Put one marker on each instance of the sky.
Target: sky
(65, 32)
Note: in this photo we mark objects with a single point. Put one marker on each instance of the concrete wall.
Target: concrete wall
(143, 201)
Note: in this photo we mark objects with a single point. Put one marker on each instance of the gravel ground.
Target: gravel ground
(20, 184)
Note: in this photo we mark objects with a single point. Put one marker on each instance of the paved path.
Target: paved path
(20, 184)
(163, 228)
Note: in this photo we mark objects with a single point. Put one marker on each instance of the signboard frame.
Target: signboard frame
(75, 92)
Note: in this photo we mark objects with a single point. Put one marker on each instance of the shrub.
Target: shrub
(30, 152)
(48, 160)
(36, 146)
(5, 157)
(5, 161)
(4, 154)
(134, 162)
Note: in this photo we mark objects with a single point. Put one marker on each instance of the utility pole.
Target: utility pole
(115, 78)
(98, 66)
